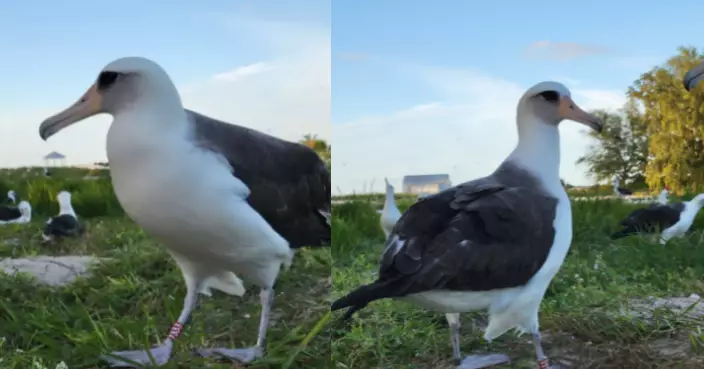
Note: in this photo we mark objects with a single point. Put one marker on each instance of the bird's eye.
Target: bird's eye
(551, 96)
(106, 80)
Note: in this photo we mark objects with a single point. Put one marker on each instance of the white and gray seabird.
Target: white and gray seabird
(494, 243)
(222, 198)
(674, 219)
(64, 224)
(618, 190)
(390, 213)
(11, 197)
(20, 214)
(663, 196)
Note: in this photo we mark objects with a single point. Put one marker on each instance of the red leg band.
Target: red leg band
(544, 364)
(175, 331)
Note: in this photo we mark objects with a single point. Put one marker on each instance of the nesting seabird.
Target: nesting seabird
(222, 198)
(11, 197)
(494, 243)
(64, 224)
(618, 190)
(19, 214)
(390, 213)
(662, 198)
(674, 219)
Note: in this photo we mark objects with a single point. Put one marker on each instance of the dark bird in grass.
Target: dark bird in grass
(65, 224)
(673, 219)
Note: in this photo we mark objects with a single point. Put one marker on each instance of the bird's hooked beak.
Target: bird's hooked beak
(694, 76)
(569, 110)
(90, 104)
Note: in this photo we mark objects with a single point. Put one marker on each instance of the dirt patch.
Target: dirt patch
(691, 306)
(50, 270)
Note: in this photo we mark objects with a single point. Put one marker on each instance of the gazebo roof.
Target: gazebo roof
(54, 155)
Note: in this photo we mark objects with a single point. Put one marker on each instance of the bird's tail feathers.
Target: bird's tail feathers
(226, 282)
(359, 298)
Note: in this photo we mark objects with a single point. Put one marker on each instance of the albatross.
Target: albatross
(618, 190)
(674, 219)
(64, 224)
(222, 198)
(662, 198)
(11, 197)
(390, 213)
(20, 214)
(493, 243)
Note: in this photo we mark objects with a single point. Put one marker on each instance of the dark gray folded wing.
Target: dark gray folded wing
(654, 216)
(9, 213)
(63, 226)
(289, 182)
(480, 236)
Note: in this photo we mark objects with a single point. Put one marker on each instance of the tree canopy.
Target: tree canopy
(661, 130)
(320, 146)
(621, 149)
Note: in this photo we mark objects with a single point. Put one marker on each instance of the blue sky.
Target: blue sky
(54, 51)
(431, 87)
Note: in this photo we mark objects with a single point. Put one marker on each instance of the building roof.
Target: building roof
(424, 179)
(54, 155)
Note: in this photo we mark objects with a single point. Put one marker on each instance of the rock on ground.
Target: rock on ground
(50, 270)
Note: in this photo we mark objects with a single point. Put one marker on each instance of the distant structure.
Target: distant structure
(426, 184)
(54, 159)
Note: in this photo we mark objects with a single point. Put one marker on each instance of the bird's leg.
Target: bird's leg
(250, 354)
(161, 353)
(543, 362)
(473, 361)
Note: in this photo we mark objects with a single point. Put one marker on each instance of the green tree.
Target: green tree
(621, 149)
(675, 123)
(320, 146)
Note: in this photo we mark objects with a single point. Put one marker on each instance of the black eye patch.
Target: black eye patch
(106, 80)
(552, 96)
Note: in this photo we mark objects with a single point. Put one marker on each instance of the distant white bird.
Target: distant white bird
(620, 191)
(222, 198)
(11, 197)
(65, 224)
(390, 213)
(673, 219)
(16, 215)
(662, 198)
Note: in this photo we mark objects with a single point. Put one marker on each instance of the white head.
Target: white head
(25, 209)
(11, 196)
(121, 85)
(389, 187)
(64, 199)
(550, 103)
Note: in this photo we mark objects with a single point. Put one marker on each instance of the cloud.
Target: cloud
(243, 72)
(286, 95)
(562, 51)
(466, 135)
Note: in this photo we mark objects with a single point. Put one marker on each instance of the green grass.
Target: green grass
(130, 301)
(579, 316)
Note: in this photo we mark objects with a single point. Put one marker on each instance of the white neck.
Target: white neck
(65, 208)
(538, 149)
(389, 202)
